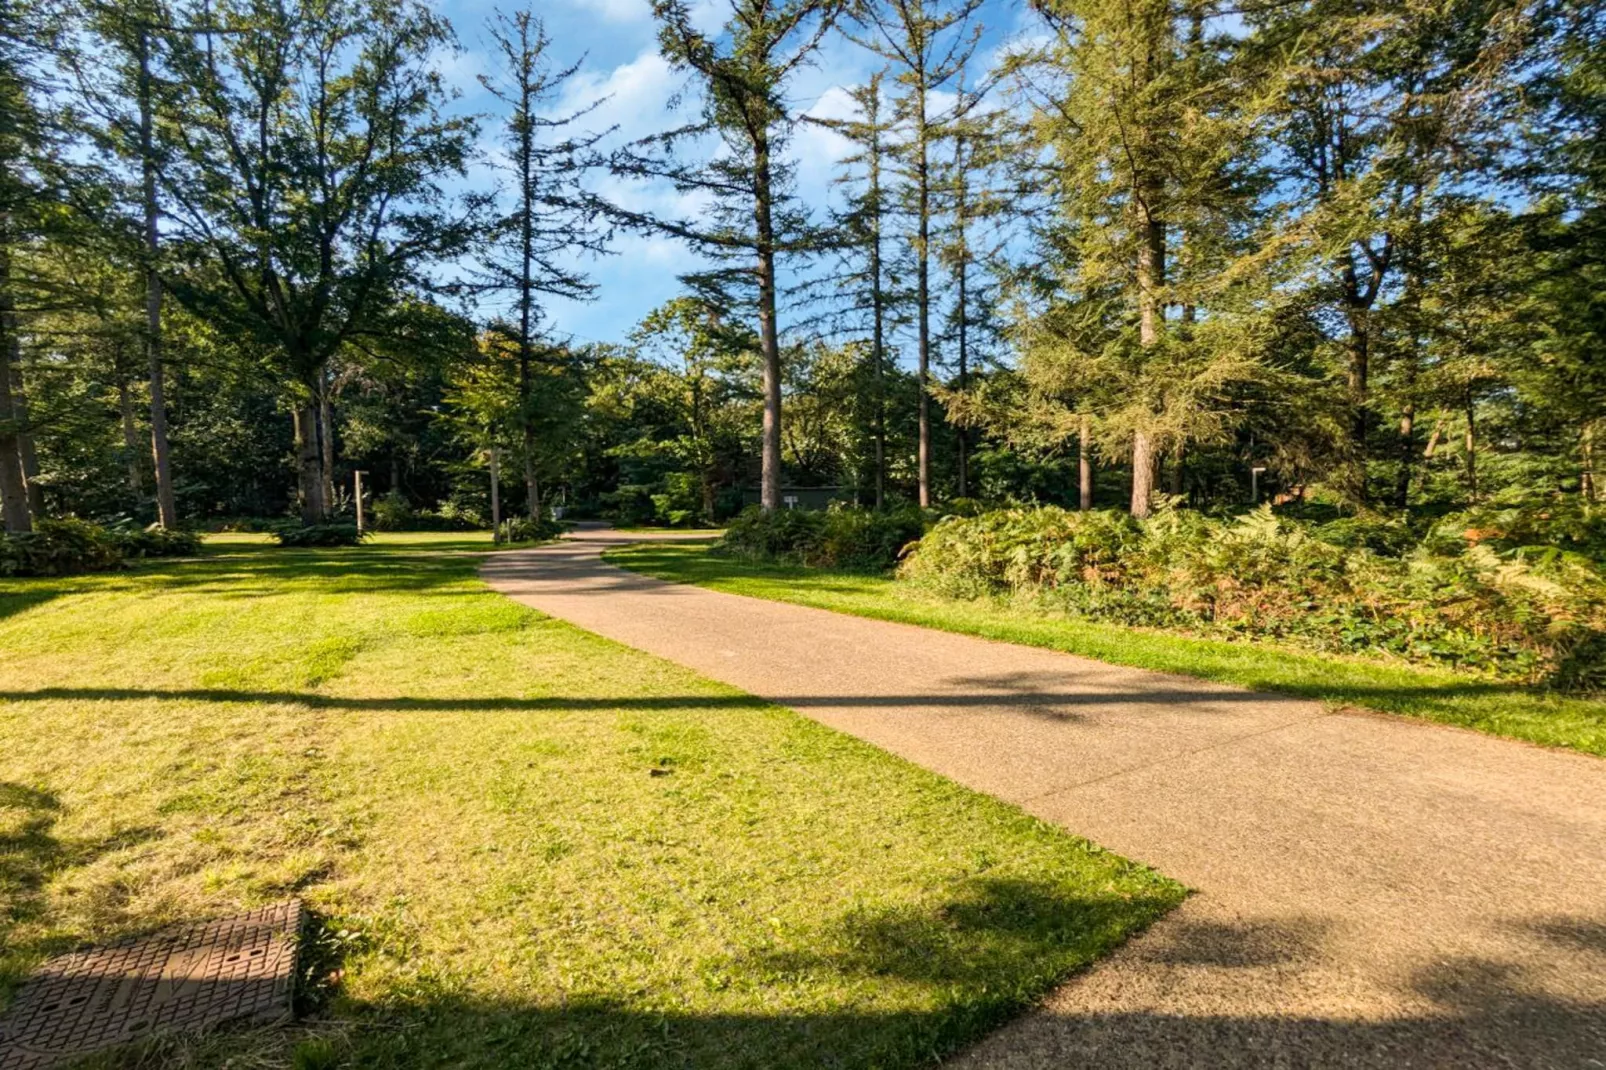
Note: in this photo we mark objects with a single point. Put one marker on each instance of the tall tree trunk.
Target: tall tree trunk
(166, 507)
(923, 291)
(309, 469)
(878, 337)
(1472, 446)
(1359, 346)
(326, 443)
(1402, 481)
(1151, 322)
(532, 487)
(1084, 465)
(13, 487)
(125, 406)
(25, 447)
(1589, 475)
(962, 300)
(769, 337)
(1175, 473)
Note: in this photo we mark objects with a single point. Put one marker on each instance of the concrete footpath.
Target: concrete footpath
(1371, 891)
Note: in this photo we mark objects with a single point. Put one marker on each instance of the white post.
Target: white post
(357, 480)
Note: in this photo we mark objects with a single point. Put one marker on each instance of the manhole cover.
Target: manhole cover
(189, 977)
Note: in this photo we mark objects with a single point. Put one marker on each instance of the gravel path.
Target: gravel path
(1370, 891)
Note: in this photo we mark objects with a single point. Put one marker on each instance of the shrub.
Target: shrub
(841, 537)
(1534, 613)
(391, 512)
(61, 547)
(156, 542)
(630, 506)
(523, 529)
(296, 534)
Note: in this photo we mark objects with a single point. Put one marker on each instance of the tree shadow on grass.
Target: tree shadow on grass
(30, 852)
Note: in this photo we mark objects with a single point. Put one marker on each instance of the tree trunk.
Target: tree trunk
(25, 447)
(1472, 448)
(1175, 489)
(878, 338)
(1402, 481)
(395, 474)
(166, 507)
(770, 460)
(1151, 322)
(1084, 466)
(1589, 477)
(1142, 474)
(532, 489)
(923, 294)
(326, 443)
(125, 406)
(309, 472)
(13, 487)
(1360, 359)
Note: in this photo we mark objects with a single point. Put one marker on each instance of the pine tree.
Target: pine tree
(552, 219)
(862, 242)
(741, 77)
(928, 42)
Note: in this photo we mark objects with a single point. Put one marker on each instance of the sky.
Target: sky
(615, 41)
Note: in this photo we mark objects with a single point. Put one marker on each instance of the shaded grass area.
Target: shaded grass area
(529, 846)
(1473, 702)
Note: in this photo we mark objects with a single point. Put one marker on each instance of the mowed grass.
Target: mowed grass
(1469, 701)
(528, 846)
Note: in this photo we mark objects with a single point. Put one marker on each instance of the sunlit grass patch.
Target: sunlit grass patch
(530, 846)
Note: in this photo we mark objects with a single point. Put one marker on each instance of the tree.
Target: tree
(862, 228)
(29, 141)
(309, 166)
(1141, 140)
(701, 370)
(552, 218)
(742, 77)
(929, 42)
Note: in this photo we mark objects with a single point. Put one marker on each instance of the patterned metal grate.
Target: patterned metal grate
(188, 977)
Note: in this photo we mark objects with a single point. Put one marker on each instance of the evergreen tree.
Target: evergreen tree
(552, 221)
(928, 42)
(742, 77)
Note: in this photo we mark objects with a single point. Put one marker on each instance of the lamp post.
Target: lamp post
(356, 477)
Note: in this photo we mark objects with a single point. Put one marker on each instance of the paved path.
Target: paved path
(1371, 891)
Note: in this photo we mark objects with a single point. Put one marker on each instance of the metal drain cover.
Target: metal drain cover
(187, 977)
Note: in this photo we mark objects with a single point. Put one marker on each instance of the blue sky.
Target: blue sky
(621, 64)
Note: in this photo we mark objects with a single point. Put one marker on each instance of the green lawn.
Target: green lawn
(530, 847)
(1471, 701)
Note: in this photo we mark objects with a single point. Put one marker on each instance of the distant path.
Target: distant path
(1371, 891)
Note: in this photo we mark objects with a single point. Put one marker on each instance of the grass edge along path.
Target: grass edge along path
(533, 845)
(1464, 700)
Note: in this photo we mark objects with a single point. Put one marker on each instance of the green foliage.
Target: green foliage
(393, 512)
(1521, 612)
(523, 529)
(840, 537)
(298, 535)
(62, 547)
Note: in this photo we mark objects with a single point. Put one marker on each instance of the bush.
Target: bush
(840, 537)
(156, 542)
(630, 506)
(1532, 613)
(296, 534)
(62, 547)
(523, 529)
(393, 512)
